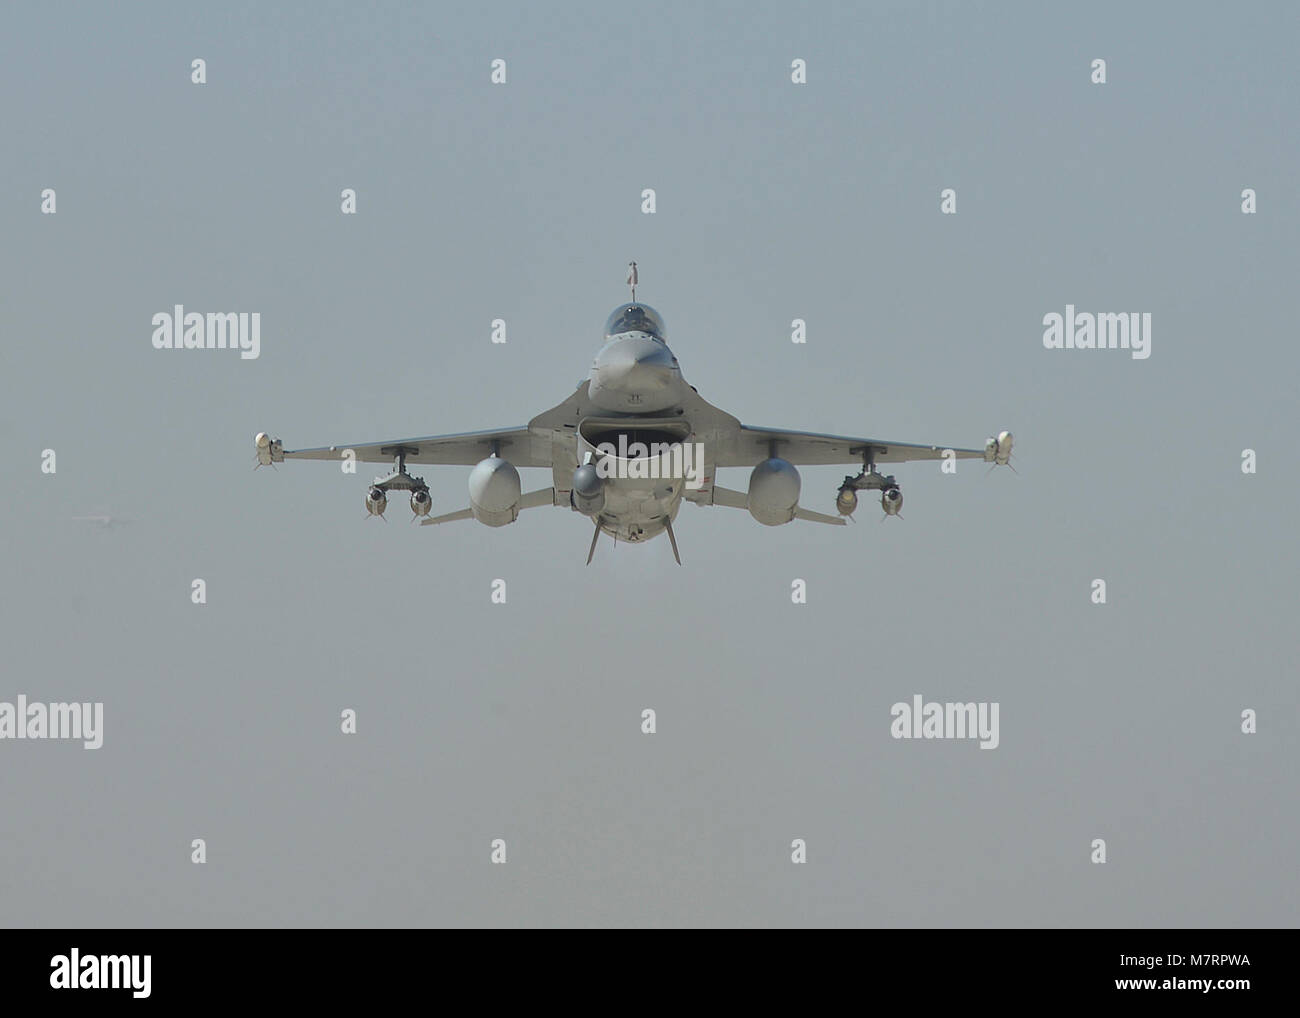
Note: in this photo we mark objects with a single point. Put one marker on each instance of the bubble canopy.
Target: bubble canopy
(636, 318)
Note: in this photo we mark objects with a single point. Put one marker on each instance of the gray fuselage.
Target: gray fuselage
(635, 381)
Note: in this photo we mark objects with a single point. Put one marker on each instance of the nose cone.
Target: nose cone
(636, 359)
(635, 373)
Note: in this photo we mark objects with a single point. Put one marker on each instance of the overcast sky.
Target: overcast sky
(522, 721)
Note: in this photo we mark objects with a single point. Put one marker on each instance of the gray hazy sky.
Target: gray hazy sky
(775, 201)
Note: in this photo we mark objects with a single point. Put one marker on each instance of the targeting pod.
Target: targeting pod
(588, 490)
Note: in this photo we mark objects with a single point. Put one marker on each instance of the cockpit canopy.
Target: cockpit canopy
(636, 318)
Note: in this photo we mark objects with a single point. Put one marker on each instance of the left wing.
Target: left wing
(520, 446)
(805, 448)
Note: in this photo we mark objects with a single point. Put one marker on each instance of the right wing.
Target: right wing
(520, 446)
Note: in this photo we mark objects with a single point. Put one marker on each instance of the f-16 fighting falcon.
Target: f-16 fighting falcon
(629, 446)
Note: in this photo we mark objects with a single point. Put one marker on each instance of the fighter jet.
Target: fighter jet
(629, 446)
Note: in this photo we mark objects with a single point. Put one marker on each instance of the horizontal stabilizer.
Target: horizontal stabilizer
(531, 500)
(459, 514)
(729, 497)
(800, 513)
(733, 499)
